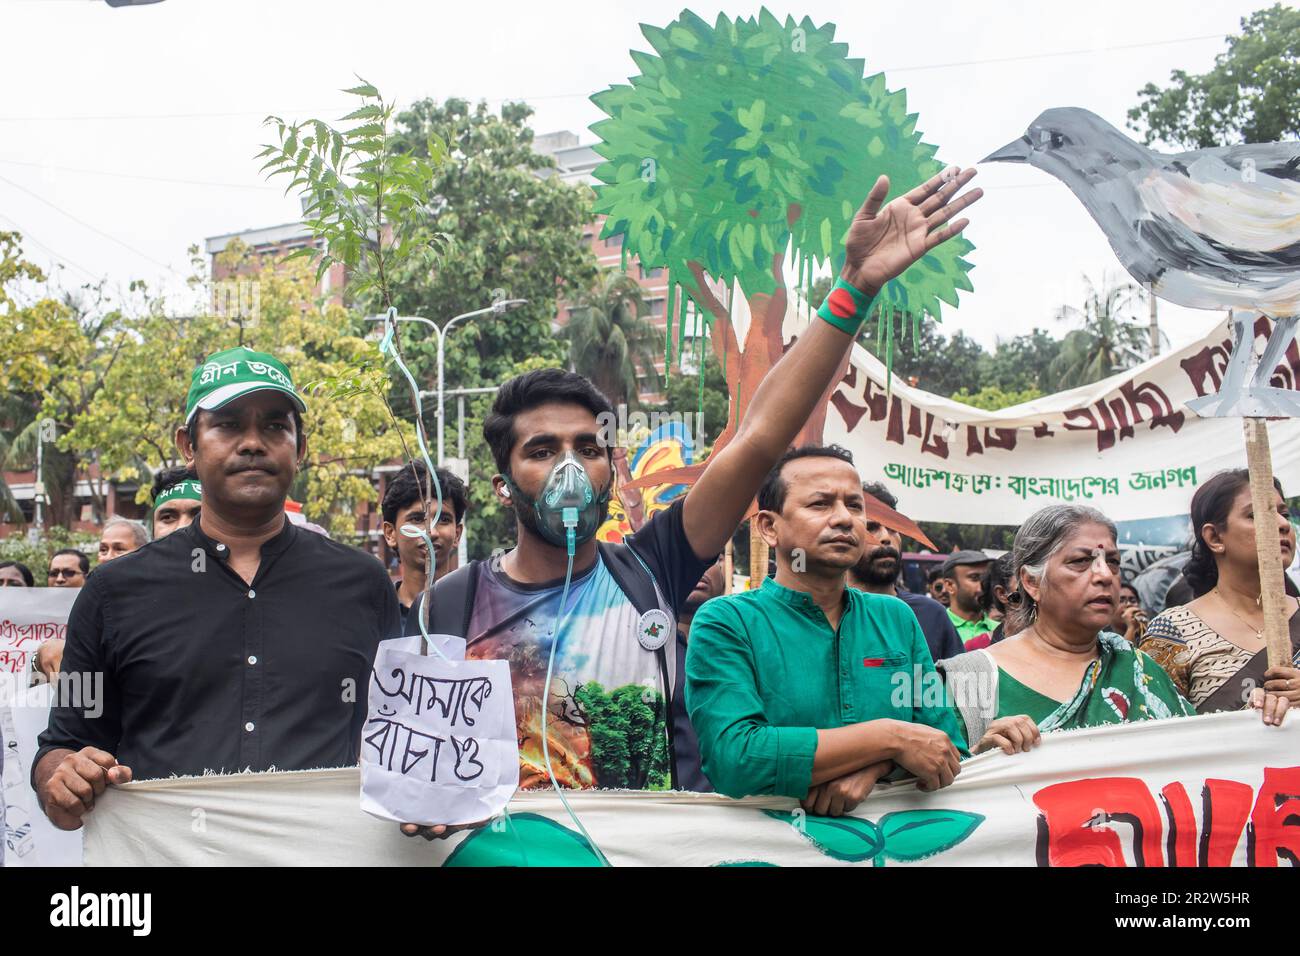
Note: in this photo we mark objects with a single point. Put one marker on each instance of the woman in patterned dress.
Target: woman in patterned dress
(1213, 647)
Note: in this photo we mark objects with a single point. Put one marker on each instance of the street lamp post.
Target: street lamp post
(498, 307)
(442, 333)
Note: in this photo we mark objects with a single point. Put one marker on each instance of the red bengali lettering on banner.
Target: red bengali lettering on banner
(16, 635)
(1109, 821)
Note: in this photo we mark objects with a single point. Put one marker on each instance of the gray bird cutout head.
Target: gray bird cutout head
(1208, 229)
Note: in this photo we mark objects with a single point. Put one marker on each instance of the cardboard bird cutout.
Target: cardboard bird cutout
(1207, 229)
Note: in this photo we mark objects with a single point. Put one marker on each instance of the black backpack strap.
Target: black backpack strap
(453, 604)
(631, 575)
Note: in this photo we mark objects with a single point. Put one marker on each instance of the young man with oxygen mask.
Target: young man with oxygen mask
(588, 626)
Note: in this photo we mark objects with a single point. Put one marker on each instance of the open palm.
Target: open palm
(883, 242)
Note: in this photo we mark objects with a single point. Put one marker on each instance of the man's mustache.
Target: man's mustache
(265, 466)
(887, 551)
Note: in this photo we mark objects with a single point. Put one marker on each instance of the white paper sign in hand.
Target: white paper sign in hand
(439, 745)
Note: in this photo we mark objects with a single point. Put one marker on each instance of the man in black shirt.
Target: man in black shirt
(238, 642)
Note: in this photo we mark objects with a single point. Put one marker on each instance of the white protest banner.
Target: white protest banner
(1128, 445)
(1216, 790)
(439, 744)
(28, 618)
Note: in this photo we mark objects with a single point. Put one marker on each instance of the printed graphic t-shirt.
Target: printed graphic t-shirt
(607, 725)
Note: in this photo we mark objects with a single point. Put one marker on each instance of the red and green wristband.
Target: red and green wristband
(846, 307)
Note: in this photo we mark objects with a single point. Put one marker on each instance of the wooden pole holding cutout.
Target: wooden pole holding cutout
(1268, 544)
(758, 553)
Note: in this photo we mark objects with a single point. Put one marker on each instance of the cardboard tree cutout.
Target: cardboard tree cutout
(743, 146)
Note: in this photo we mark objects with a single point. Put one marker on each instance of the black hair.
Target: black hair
(934, 574)
(1131, 588)
(880, 493)
(1211, 505)
(192, 429)
(525, 392)
(25, 571)
(771, 496)
(82, 559)
(999, 572)
(171, 477)
(407, 487)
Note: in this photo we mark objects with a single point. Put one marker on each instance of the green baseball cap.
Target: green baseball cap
(188, 490)
(226, 376)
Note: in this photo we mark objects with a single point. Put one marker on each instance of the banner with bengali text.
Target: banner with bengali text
(1128, 445)
(1217, 790)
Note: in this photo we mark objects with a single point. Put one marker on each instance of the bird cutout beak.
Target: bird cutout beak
(1016, 151)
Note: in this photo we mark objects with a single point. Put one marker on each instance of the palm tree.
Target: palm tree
(610, 339)
(17, 450)
(1110, 339)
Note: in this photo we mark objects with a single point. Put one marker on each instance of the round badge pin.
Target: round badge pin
(653, 628)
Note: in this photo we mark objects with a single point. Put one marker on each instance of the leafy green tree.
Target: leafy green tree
(131, 422)
(610, 338)
(1109, 340)
(1251, 96)
(36, 554)
(991, 398)
(368, 202)
(684, 393)
(747, 141)
(927, 358)
(518, 231)
(1023, 364)
(366, 199)
(54, 357)
(628, 735)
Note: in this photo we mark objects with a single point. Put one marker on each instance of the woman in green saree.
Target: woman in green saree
(1063, 669)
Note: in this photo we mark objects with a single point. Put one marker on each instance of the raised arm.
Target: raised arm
(883, 241)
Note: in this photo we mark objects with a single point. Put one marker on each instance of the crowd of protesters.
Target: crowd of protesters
(236, 639)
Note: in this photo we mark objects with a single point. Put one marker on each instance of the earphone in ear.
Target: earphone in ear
(505, 491)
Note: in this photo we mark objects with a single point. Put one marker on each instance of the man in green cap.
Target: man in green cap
(177, 497)
(240, 642)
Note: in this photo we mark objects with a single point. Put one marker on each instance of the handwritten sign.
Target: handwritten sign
(28, 618)
(439, 744)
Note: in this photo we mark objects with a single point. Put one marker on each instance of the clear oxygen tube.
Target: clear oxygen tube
(569, 516)
(387, 347)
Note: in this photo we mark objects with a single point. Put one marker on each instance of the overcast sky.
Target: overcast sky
(104, 109)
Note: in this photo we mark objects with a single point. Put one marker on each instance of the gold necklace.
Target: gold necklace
(1259, 631)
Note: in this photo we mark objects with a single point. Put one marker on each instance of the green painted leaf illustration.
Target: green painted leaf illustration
(916, 834)
(744, 863)
(843, 838)
(527, 839)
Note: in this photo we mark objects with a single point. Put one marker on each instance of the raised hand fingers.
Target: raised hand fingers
(940, 236)
(875, 199)
(945, 212)
(931, 185)
(946, 191)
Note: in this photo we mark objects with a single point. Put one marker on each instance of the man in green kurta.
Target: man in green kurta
(807, 688)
